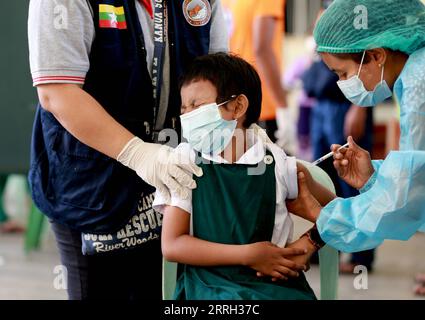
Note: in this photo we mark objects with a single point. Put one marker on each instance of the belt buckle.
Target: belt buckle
(155, 136)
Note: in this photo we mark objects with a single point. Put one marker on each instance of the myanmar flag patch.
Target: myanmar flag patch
(112, 17)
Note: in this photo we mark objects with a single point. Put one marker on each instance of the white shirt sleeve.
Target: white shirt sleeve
(219, 39)
(286, 188)
(160, 203)
(286, 173)
(291, 178)
(60, 35)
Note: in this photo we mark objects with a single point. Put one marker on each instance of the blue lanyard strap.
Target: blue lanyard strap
(160, 40)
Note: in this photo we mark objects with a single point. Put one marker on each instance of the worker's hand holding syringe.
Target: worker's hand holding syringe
(353, 164)
(330, 154)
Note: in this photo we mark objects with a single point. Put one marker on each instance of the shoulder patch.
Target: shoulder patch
(197, 12)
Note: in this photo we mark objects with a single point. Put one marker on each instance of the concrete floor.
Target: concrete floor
(396, 264)
(28, 276)
(393, 277)
(32, 276)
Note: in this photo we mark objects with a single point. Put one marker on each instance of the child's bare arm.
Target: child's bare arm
(179, 246)
(322, 194)
(264, 257)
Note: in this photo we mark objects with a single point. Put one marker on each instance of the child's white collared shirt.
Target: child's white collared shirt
(286, 183)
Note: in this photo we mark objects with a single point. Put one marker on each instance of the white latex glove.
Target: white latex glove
(286, 133)
(161, 167)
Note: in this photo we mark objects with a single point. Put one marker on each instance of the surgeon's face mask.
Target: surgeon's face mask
(205, 129)
(355, 91)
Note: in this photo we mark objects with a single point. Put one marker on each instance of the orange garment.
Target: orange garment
(240, 15)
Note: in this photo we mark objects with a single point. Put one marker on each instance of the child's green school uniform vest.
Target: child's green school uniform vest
(232, 207)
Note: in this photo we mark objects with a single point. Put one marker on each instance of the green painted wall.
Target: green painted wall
(17, 96)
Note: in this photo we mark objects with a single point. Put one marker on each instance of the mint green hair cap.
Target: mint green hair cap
(350, 26)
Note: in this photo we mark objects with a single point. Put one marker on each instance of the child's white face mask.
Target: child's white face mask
(205, 129)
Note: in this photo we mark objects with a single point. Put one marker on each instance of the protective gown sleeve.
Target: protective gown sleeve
(376, 165)
(392, 208)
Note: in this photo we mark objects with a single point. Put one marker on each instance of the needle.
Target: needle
(327, 156)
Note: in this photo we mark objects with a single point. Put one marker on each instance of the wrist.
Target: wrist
(245, 257)
(311, 248)
(313, 236)
(369, 183)
(129, 152)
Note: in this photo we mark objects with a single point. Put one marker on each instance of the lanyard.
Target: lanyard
(160, 40)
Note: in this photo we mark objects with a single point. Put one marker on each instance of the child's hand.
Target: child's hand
(304, 259)
(270, 260)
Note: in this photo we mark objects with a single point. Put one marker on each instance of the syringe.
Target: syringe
(327, 156)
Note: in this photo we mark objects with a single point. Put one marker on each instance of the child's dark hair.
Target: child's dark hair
(230, 75)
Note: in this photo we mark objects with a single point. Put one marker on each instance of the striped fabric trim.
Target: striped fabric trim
(59, 79)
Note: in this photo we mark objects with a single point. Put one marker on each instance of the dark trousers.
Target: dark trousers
(133, 274)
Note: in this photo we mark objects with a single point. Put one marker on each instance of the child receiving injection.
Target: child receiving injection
(234, 226)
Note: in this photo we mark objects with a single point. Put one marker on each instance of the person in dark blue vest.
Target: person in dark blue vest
(106, 73)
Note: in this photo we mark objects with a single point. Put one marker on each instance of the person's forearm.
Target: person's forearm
(193, 251)
(323, 197)
(82, 116)
(322, 194)
(268, 67)
(355, 122)
(267, 62)
(313, 213)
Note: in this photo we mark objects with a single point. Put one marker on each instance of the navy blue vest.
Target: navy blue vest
(74, 184)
